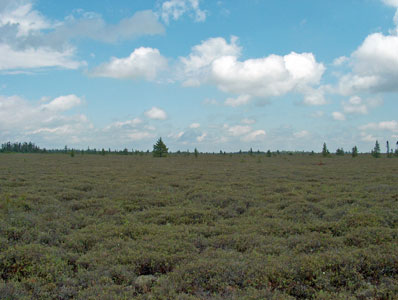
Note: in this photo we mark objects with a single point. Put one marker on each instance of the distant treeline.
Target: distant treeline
(29, 147)
(21, 148)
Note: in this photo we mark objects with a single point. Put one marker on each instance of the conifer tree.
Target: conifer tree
(160, 149)
(376, 150)
(325, 151)
(354, 151)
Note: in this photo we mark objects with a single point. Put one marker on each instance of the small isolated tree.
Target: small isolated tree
(354, 152)
(388, 149)
(251, 152)
(196, 152)
(376, 150)
(325, 151)
(160, 149)
(269, 154)
(72, 153)
(340, 151)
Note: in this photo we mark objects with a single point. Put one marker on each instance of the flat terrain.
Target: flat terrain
(212, 227)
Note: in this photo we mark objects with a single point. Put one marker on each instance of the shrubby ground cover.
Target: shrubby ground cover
(211, 227)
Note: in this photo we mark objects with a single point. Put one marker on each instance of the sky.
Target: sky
(206, 74)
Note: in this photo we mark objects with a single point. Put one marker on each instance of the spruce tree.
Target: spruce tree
(354, 151)
(325, 151)
(376, 150)
(160, 149)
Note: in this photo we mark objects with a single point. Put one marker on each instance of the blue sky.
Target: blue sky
(230, 75)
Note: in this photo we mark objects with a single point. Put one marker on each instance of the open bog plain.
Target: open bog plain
(213, 227)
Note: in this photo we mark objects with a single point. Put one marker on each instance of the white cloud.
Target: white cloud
(140, 135)
(375, 66)
(340, 61)
(216, 61)
(142, 63)
(21, 28)
(197, 65)
(23, 120)
(368, 137)
(194, 125)
(384, 125)
(338, 116)
(265, 77)
(29, 41)
(356, 105)
(63, 103)
(20, 13)
(156, 113)
(313, 97)
(393, 3)
(254, 136)
(32, 58)
(92, 26)
(201, 137)
(239, 130)
(248, 121)
(125, 124)
(240, 100)
(174, 9)
(301, 134)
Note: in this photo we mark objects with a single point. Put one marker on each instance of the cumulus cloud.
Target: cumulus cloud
(24, 120)
(201, 137)
(197, 65)
(194, 125)
(175, 9)
(374, 66)
(239, 130)
(216, 61)
(245, 132)
(384, 125)
(20, 28)
(340, 61)
(393, 3)
(142, 63)
(301, 134)
(254, 136)
(240, 100)
(265, 77)
(357, 105)
(338, 116)
(156, 113)
(32, 58)
(63, 103)
(28, 40)
(379, 130)
(20, 13)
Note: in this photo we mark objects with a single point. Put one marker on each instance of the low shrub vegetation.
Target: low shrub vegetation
(198, 227)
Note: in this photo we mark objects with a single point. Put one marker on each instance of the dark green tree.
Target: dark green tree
(269, 154)
(196, 152)
(340, 151)
(388, 149)
(325, 151)
(354, 152)
(376, 150)
(160, 149)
